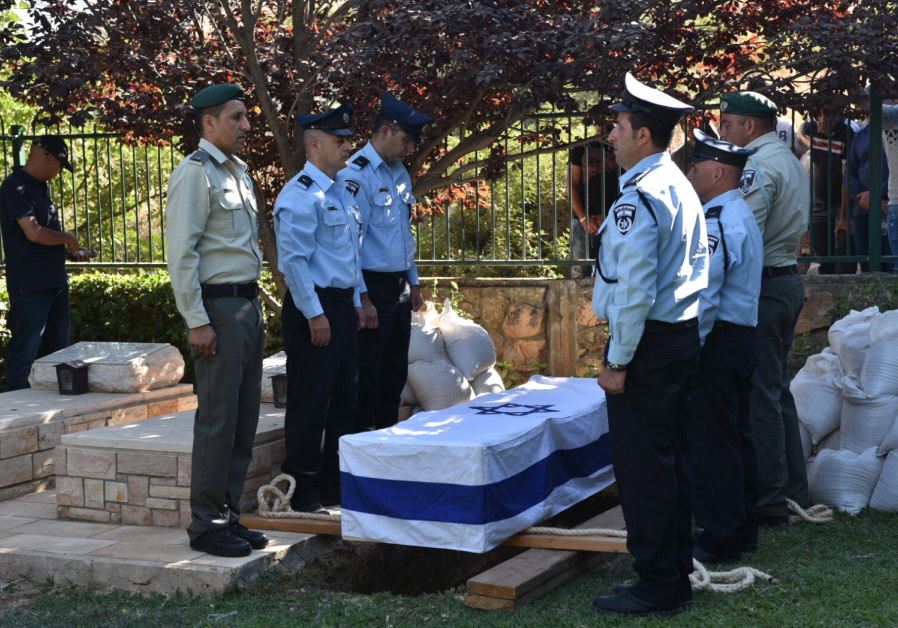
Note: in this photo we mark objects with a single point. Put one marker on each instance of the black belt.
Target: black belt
(336, 294)
(655, 327)
(729, 325)
(777, 271)
(381, 274)
(240, 290)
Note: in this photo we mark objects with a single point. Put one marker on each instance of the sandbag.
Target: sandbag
(407, 397)
(884, 326)
(807, 443)
(818, 401)
(849, 338)
(866, 420)
(854, 318)
(425, 343)
(885, 493)
(833, 441)
(889, 441)
(488, 382)
(844, 479)
(468, 345)
(879, 375)
(438, 385)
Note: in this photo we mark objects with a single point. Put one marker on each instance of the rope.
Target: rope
(821, 513)
(576, 532)
(726, 581)
(274, 503)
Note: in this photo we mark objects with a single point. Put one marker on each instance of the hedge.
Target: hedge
(129, 307)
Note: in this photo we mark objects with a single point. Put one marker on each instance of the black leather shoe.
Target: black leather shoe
(256, 539)
(221, 542)
(685, 594)
(315, 508)
(330, 497)
(627, 603)
(773, 521)
(709, 558)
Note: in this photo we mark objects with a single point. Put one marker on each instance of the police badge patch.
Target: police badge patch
(624, 217)
(352, 186)
(713, 241)
(747, 180)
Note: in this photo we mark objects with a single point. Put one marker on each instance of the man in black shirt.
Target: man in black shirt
(593, 185)
(35, 248)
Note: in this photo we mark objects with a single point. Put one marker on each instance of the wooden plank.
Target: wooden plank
(307, 526)
(537, 568)
(486, 603)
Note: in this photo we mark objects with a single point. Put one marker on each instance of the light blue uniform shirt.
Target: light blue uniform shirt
(383, 192)
(317, 227)
(649, 268)
(736, 256)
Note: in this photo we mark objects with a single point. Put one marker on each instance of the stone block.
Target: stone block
(117, 367)
(142, 463)
(129, 414)
(161, 504)
(94, 494)
(116, 491)
(115, 517)
(166, 518)
(49, 435)
(585, 315)
(69, 491)
(136, 515)
(166, 406)
(97, 424)
(90, 463)
(77, 427)
(817, 312)
(138, 489)
(16, 470)
(187, 403)
(524, 320)
(18, 442)
(185, 512)
(493, 306)
(113, 507)
(184, 470)
(272, 365)
(154, 481)
(527, 353)
(170, 492)
(88, 514)
(43, 463)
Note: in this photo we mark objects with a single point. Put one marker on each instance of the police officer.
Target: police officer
(214, 262)
(722, 463)
(390, 289)
(777, 189)
(35, 248)
(317, 227)
(651, 265)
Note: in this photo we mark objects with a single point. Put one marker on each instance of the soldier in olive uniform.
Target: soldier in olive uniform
(214, 262)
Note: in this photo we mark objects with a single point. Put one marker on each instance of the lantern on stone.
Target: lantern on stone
(71, 377)
(279, 388)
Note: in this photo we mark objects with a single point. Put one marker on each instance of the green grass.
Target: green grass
(843, 573)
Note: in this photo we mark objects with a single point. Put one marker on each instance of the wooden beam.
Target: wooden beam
(286, 524)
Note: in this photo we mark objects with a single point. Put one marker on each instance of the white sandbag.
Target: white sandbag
(833, 441)
(488, 382)
(426, 316)
(854, 318)
(885, 493)
(404, 412)
(438, 385)
(884, 326)
(818, 401)
(425, 343)
(889, 441)
(866, 419)
(844, 479)
(407, 397)
(468, 345)
(807, 443)
(879, 375)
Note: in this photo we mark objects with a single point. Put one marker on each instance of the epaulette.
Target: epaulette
(714, 212)
(632, 182)
(352, 186)
(200, 156)
(305, 181)
(359, 162)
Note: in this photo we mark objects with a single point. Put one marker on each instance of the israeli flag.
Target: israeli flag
(471, 476)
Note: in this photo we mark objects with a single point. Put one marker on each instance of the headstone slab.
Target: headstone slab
(118, 367)
(272, 365)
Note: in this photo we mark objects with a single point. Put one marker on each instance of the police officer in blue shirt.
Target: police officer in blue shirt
(317, 228)
(390, 290)
(722, 461)
(650, 267)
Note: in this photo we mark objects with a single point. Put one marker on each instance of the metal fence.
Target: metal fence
(522, 222)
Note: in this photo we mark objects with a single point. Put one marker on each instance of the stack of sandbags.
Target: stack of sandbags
(451, 360)
(847, 403)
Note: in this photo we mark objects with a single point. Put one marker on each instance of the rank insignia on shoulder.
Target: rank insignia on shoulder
(624, 217)
(20, 189)
(747, 180)
(713, 241)
(352, 186)
(199, 156)
(305, 181)
(361, 161)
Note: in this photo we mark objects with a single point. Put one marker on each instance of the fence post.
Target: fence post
(875, 216)
(18, 142)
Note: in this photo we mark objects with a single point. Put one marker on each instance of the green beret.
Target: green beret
(216, 95)
(748, 104)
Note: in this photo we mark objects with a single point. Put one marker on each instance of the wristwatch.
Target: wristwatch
(616, 367)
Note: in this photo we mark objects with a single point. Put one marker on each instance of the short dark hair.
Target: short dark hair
(767, 123)
(213, 111)
(382, 120)
(661, 132)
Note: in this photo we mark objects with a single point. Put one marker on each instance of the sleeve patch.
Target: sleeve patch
(713, 242)
(747, 180)
(352, 186)
(624, 217)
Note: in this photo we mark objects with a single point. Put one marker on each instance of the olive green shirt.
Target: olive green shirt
(778, 191)
(212, 228)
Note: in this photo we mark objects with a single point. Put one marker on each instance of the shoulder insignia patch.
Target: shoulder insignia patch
(747, 180)
(305, 181)
(635, 180)
(713, 241)
(361, 161)
(20, 189)
(624, 217)
(199, 156)
(352, 186)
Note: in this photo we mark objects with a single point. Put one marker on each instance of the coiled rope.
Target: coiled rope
(821, 513)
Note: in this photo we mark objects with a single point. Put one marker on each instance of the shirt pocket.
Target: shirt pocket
(337, 224)
(229, 216)
(384, 211)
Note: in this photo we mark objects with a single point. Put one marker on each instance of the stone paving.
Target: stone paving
(34, 543)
